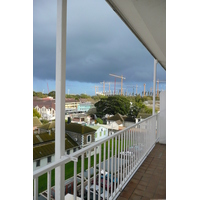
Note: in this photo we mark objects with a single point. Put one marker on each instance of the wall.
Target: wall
(162, 118)
(101, 131)
(43, 161)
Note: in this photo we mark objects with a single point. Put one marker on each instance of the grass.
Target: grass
(69, 167)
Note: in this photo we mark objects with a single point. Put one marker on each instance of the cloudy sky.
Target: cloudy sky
(98, 44)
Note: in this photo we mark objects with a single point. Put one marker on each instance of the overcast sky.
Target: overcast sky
(98, 43)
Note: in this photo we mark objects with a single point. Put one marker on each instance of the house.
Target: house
(78, 118)
(36, 123)
(128, 121)
(71, 104)
(84, 107)
(101, 131)
(81, 134)
(46, 107)
(141, 116)
(47, 128)
(112, 128)
(44, 148)
(116, 118)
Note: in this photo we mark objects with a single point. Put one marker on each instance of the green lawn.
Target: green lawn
(69, 167)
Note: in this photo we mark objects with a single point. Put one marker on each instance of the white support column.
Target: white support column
(60, 95)
(154, 85)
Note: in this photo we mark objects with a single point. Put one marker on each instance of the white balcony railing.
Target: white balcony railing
(120, 155)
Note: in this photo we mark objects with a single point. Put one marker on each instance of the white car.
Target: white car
(99, 190)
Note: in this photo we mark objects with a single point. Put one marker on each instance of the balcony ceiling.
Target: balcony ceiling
(147, 20)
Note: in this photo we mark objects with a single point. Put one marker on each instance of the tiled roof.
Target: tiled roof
(36, 122)
(48, 103)
(70, 100)
(49, 149)
(129, 119)
(78, 128)
(116, 117)
(48, 126)
(119, 122)
(46, 137)
(143, 115)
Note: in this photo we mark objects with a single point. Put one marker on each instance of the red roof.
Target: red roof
(50, 103)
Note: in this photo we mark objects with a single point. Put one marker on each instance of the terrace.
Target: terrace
(134, 156)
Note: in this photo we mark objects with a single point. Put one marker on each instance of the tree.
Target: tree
(36, 113)
(99, 120)
(113, 105)
(52, 94)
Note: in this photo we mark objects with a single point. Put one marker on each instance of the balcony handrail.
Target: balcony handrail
(67, 158)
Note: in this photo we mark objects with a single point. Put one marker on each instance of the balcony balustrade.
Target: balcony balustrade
(120, 155)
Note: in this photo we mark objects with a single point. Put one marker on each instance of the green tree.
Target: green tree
(52, 94)
(36, 113)
(113, 105)
(99, 120)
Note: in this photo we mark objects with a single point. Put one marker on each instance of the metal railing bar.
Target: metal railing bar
(76, 154)
(94, 176)
(36, 188)
(82, 176)
(108, 167)
(75, 180)
(89, 157)
(49, 185)
(99, 167)
(112, 167)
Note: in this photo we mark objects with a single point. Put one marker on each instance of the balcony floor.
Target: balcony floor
(149, 182)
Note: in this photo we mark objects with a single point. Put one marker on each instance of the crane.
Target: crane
(109, 85)
(158, 86)
(121, 81)
(96, 87)
(103, 86)
(144, 88)
(48, 88)
(132, 86)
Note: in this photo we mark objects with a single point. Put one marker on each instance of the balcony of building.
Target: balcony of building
(133, 158)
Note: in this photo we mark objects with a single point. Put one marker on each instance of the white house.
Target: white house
(101, 132)
(44, 148)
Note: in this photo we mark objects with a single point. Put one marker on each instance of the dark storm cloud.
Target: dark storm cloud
(98, 43)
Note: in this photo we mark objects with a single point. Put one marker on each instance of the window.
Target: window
(37, 163)
(68, 152)
(74, 149)
(100, 133)
(48, 159)
(96, 135)
(89, 138)
(104, 132)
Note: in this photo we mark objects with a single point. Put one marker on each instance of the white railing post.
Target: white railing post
(112, 167)
(82, 176)
(99, 168)
(89, 157)
(35, 188)
(60, 96)
(154, 85)
(108, 167)
(138, 141)
(49, 185)
(75, 179)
